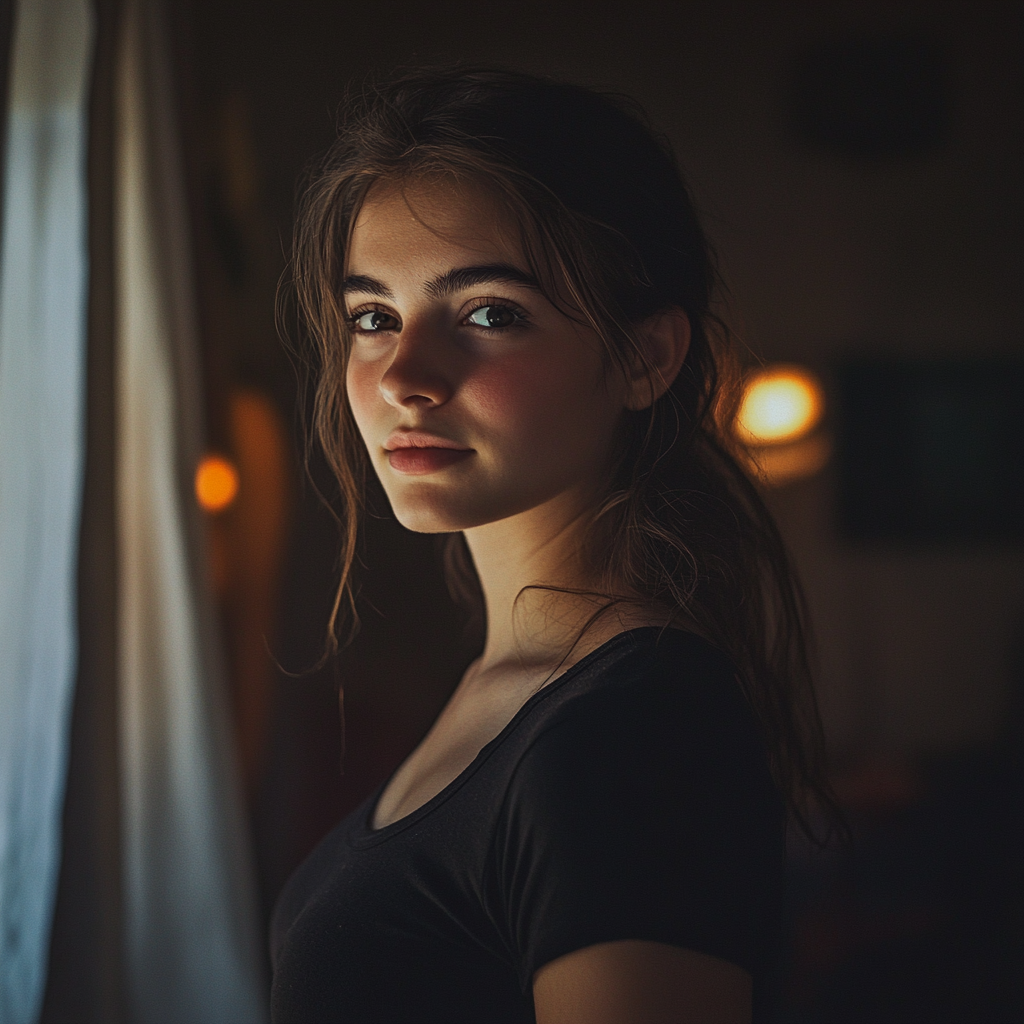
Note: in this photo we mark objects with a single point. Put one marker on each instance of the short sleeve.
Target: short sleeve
(646, 811)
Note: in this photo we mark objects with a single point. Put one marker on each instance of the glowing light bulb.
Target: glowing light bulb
(216, 483)
(780, 404)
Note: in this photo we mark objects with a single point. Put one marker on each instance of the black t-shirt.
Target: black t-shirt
(628, 799)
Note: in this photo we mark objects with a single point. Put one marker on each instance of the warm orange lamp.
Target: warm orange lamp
(780, 404)
(779, 412)
(216, 483)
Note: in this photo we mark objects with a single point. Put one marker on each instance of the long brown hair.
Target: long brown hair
(608, 227)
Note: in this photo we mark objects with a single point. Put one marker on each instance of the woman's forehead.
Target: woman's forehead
(429, 221)
(443, 204)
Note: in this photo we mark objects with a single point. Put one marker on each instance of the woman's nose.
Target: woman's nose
(416, 374)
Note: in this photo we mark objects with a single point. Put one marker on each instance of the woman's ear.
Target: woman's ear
(664, 339)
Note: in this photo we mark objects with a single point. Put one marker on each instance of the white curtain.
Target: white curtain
(190, 923)
(43, 273)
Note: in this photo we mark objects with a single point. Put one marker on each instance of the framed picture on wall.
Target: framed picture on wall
(931, 451)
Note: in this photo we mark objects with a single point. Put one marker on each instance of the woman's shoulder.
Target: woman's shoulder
(652, 675)
(653, 708)
(647, 799)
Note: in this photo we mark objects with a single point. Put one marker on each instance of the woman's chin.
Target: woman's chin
(427, 509)
(437, 513)
(429, 518)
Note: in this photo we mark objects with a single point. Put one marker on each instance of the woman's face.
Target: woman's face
(477, 399)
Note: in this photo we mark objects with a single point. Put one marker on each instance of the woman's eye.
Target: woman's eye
(374, 320)
(494, 317)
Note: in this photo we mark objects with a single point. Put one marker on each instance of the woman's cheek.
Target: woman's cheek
(516, 397)
(363, 394)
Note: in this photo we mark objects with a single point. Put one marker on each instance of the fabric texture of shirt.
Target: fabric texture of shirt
(629, 799)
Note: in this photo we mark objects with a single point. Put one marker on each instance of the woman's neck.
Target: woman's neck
(541, 548)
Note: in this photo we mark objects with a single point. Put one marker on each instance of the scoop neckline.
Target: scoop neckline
(369, 836)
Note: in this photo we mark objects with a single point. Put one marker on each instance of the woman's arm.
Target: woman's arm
(635, 982)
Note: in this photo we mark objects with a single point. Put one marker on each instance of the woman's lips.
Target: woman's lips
(415, 453)
(417, 461)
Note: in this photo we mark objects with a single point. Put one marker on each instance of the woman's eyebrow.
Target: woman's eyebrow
(366, 285)
(468, 277)
(445, 284)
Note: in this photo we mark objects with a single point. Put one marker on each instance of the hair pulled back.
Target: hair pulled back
(609, 229)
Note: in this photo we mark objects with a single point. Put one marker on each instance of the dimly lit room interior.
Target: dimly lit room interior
(858, 166)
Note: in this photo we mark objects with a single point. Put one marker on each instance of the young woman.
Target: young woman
(511, 301)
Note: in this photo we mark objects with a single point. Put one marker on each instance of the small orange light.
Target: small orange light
(781, 403)
(216, 483)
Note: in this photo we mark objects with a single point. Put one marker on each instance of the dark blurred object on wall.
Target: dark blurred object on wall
(932, 451)
(868, 96)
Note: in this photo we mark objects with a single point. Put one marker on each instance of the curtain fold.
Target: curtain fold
(190, 920)
(84, 981)
(43, 273)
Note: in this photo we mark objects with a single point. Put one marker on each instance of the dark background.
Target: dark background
(858, 166)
